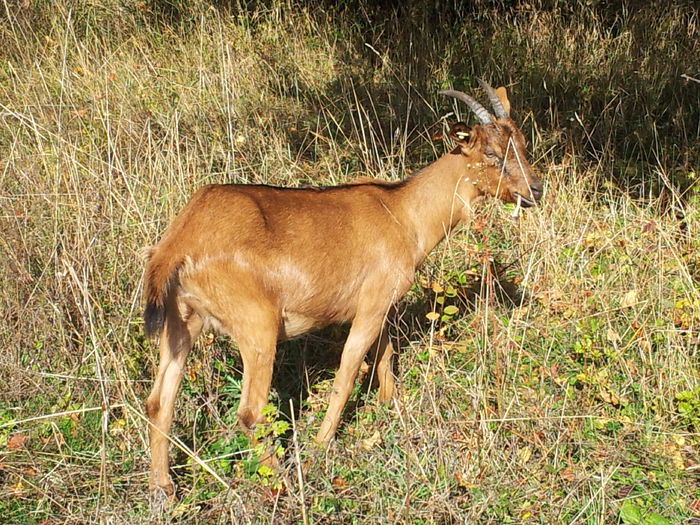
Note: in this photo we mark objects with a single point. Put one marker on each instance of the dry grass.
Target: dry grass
(564, 390)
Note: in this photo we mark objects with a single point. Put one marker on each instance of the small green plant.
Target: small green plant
(688, 404)
(633, 514)
(224, 448)
(6, 426)
(272, 427)
(441, 310)
(267, 433)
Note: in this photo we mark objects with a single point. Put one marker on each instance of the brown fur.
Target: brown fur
(264, 264)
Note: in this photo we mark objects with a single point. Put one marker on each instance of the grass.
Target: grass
(563, 389)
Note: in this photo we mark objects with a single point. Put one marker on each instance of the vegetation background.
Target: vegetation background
(558, 382)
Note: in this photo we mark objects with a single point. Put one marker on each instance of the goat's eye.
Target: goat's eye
(491, 155)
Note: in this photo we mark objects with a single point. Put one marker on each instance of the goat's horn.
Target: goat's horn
(478, 109)
(495, 101)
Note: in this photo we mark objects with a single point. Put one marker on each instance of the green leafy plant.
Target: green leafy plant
(688, 404)
(6, 426)
(267, 433)
(633, 514)
(443, 311)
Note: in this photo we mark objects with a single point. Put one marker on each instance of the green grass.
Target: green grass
(563, 389)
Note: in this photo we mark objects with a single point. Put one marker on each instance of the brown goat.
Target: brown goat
(264, 264)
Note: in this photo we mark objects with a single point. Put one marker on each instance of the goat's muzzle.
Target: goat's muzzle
(535, 194)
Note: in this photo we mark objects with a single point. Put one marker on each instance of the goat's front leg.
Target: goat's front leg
(383, 366)
(363, 332)
(257, 342)
(258, 361)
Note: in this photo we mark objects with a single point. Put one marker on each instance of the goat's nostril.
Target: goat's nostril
(536, 191)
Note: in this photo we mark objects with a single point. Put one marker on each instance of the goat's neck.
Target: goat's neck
(431, 205)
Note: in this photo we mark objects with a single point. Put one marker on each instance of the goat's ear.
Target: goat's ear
(503, 96)
(461, 133)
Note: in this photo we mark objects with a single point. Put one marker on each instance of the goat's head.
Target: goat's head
(494, 152)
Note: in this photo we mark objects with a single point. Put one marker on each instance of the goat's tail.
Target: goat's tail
(161, 277)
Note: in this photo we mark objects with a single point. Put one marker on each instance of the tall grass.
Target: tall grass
(564, 391)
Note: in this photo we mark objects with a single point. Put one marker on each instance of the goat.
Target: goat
(264, 264)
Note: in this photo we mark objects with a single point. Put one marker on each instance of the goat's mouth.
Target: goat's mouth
(523, 201)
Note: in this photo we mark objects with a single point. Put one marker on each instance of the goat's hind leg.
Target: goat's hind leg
(179, 332)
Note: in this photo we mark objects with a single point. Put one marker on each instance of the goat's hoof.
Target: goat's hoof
(161, 498)
(269, 458)
(386, 396)
(323, 441)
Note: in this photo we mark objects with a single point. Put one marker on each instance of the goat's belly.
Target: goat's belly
(295, 324)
